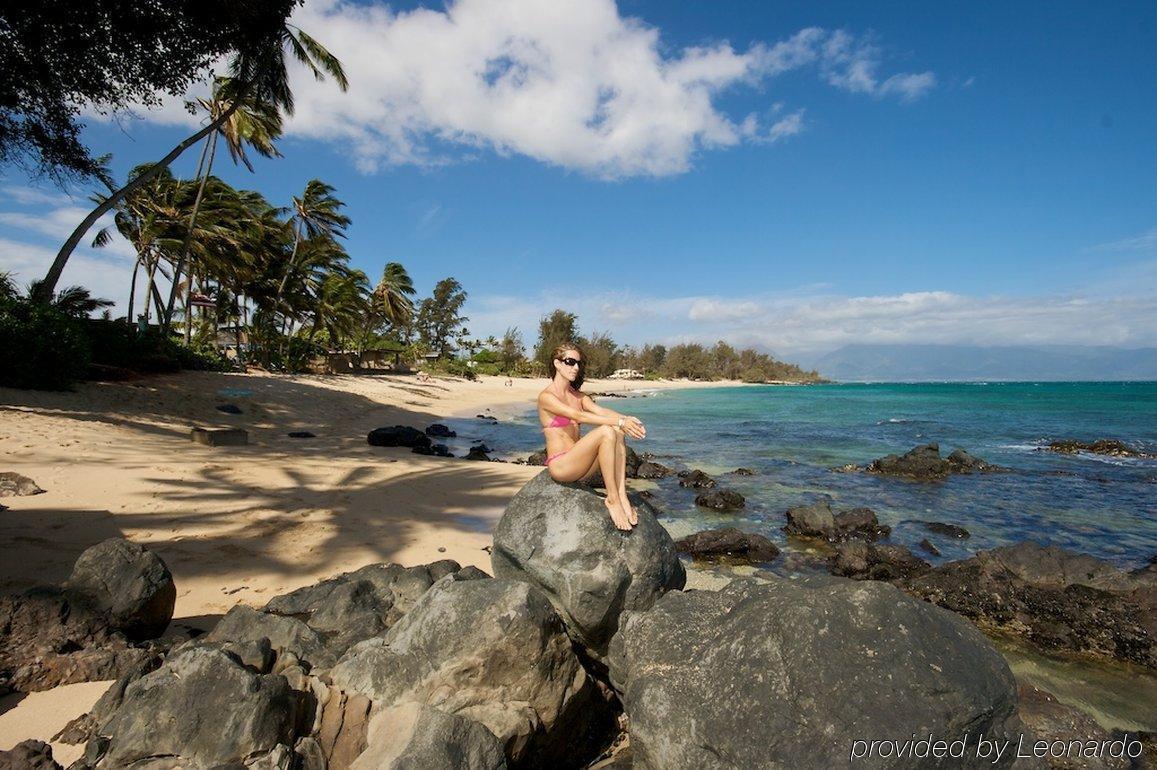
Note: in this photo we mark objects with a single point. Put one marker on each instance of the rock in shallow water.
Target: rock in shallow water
(560, 539)
(728, 542)
(1053, 598)
(924, 463)
(720, 500)
(791, 673)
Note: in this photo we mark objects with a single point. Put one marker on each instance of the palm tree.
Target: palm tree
(391, 301)
(252, 122)
(259, 72)
(315, 216)
(341, 305)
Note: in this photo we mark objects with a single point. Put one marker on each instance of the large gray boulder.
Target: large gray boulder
(416, 737)
(493, 651)
(202, 709)
(560, 539)
(790, 674)
(129, 582)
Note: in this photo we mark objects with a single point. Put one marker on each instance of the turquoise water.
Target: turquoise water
(793, 436)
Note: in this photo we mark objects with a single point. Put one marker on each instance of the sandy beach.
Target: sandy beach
(243, 524)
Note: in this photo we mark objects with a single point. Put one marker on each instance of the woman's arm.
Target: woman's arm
(633, 426)
(555, 405)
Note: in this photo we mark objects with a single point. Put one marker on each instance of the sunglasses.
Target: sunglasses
(571, 361)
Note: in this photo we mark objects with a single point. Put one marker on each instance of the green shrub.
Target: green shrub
(47, 350)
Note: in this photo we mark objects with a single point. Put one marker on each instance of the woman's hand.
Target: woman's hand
(633, 427)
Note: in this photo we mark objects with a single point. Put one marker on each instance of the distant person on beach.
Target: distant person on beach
(561, 407)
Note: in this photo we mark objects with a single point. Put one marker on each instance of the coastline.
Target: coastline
(239, 525)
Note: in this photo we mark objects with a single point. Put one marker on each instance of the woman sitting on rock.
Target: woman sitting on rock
(561, 407)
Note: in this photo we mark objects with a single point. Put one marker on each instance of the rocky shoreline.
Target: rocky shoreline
(582, 651)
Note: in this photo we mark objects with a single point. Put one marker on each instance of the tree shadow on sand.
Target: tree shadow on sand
(285, 507)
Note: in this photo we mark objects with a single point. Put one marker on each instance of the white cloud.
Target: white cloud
(1144, 242)
(573, 84)
(796, 322)
(852, 64)
(105, 274)
(31, 196)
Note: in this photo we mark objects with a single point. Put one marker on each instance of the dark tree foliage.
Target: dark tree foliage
(439, 318)
(555, 329)
(58, 57)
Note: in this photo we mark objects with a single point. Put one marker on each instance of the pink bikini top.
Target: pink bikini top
(561, 422)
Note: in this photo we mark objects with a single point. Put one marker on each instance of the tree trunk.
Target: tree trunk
(210, 151)
(47, 287)
(133, 292)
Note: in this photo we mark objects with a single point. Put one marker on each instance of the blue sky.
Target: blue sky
(793, 176)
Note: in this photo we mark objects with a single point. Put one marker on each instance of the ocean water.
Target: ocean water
(793, 437)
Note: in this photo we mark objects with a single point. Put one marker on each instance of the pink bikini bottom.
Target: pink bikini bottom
(552, 458)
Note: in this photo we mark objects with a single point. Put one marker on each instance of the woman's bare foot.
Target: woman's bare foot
(632, 517)
(618, 515)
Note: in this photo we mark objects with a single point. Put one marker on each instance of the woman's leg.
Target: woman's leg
(595, 448)
(621, 466)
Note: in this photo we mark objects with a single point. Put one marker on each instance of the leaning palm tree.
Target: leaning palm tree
(259, 72)
(254, 123)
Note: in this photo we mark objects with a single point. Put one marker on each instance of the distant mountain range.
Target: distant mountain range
(917, 363)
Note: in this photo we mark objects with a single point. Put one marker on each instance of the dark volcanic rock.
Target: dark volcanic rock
(791, 673)
(695, 479)
(79, 633)
(493, 651)
(1053, 598)
(45, 641)
(29, 755)
(414, 737)
(925, 464)
(301, 434)
(743, 472)
(868, 561)
(929, 547)
(730, 542)
(434, 450)
(559, 538)
(319, 623)
(860, 523)
(537, 458)
(819, 521)
(1105, 446)
(720, 500)
(477, 453)
(229, 408)
(128, 582)
(652, 470)
(816, 520)
(245, 625)
(438, 430)
(951, 530)
(1050, 720)
(15, 485)
(398, 435)
(201, 709)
